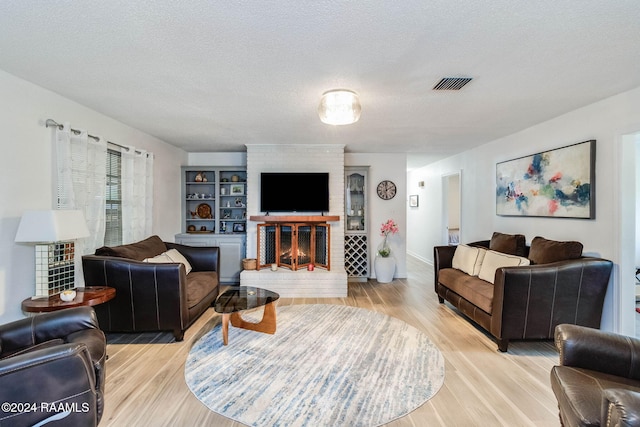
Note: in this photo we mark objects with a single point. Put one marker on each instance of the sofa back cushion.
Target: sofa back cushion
(494, 260)
(468, 259)
(544, 251)
(512, 244)
(147, 248)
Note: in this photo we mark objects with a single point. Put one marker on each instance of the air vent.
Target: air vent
(452, 83)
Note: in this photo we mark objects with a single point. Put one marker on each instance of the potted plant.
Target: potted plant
(385, 263)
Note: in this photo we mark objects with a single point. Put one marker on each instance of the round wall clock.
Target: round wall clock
(386, 190)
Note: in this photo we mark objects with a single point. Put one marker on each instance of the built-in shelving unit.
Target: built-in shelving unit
(214, 213)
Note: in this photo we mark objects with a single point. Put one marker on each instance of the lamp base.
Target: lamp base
(55, 268)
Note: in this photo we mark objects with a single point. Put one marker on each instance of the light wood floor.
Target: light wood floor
(145, 372)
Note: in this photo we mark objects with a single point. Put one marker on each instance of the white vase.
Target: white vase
(384, 267)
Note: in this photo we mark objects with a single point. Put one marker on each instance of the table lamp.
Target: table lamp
(53, 232)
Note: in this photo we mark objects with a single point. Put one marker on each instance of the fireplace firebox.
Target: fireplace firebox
(293, 245)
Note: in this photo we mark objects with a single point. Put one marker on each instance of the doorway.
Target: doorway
(451, 201)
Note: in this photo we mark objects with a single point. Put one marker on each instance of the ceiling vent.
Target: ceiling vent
(452, 83)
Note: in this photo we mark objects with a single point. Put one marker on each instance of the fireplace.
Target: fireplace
(294, 245)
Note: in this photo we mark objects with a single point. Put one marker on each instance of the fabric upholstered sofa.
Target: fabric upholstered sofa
(160, 286)
(516, 292)
(51, 360)
(598, 380)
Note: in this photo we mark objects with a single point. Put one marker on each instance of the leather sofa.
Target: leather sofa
(153, 292)
(527, 301)
(598, 380)
(53, 362)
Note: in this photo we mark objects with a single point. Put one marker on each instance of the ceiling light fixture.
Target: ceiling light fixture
(339, 107)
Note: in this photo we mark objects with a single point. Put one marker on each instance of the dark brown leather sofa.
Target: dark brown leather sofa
(54, 362)
(153, 296)
(598, 380)
(526, 302)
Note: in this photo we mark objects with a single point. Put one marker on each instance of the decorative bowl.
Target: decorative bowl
(68, 295)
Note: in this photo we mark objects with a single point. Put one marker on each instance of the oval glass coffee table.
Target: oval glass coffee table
(239, 298)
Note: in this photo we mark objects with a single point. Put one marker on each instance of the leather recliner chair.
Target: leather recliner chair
(598, 380)
(52, 366)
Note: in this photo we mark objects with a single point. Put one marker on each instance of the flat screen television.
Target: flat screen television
(294, 192)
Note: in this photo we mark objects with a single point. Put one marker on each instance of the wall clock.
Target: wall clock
(386, 190)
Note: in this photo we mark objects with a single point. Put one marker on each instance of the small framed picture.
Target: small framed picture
(413, 201)
(238, 227)
(237, 189)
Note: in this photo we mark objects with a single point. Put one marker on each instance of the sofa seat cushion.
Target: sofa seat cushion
(199, 285)
(474, 290)
(147, 248)
(579, 392)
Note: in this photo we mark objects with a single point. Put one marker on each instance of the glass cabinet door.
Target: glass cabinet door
(355, 203)
(356, 252)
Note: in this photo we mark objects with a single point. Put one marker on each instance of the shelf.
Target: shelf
(294, 218)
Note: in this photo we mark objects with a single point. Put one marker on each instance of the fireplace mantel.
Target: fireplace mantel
(295, 218)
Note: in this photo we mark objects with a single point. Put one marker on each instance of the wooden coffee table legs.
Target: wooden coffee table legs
(266, 325)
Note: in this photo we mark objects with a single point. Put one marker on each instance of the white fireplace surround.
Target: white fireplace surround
(298, 158)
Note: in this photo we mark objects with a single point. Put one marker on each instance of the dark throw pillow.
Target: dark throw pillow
(512, 244)
(544, 251)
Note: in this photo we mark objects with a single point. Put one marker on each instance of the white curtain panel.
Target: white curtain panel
(137, 194)
(81, 182)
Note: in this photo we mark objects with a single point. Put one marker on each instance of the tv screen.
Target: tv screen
(294, 192)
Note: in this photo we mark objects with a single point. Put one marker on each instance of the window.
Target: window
(113, 209)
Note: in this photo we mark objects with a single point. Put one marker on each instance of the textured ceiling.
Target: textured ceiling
(215, 75)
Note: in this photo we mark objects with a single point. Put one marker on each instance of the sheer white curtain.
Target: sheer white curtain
(137, 194)
(81, 183)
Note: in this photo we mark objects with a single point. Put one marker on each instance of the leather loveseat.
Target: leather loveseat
(598, 380)
(546, 284)
(52, 366)
(154, 289)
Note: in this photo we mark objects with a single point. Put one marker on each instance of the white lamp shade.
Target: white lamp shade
(51, 226)
(339, 107)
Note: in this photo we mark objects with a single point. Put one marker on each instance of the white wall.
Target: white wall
(636, 145)
(393, 167)
(605, 121)
(26, 175)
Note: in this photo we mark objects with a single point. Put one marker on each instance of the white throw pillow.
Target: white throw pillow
(176, 256)
(494, 260)
(171, 256)
(468, 259)
(163, 258)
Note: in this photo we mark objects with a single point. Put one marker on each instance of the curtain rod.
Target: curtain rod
(51, 122)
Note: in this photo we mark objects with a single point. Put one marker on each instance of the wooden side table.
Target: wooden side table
(91, 295)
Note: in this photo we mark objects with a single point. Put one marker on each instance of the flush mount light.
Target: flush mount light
(339, 107)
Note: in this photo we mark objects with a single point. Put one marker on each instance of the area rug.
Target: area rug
(326, 365)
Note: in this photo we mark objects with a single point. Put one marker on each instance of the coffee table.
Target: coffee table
(239, 298)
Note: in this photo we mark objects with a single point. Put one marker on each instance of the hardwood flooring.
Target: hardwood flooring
(145, 383)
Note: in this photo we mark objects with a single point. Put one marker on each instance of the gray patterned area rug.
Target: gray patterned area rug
(326, 365)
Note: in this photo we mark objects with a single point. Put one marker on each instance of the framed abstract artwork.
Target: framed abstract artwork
(558, 183)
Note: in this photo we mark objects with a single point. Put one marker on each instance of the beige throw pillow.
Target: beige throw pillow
(171, 256)
(494, 260)
(159, 259)
(468, 259)
(178, 257)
